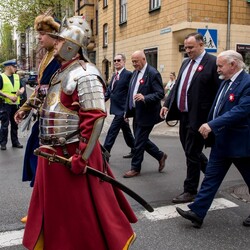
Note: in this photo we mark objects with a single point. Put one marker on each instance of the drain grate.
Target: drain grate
(242, 193)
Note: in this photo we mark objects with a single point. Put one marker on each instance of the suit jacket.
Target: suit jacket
(118, 95)
(232, 127)
(201, 92)
(147, 113)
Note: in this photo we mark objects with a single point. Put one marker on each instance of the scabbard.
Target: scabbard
(25, 124)
(103, 176)
(120, 186)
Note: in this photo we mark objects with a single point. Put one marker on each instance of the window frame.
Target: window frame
(154, 5)
(105, 35)
(123, 11)
(105, 4)
(149, 52)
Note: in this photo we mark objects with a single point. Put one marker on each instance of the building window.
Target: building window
(92, 56)
(123, 11)
(154, 4)
(105, 3)
(105, 35)
(152, 56)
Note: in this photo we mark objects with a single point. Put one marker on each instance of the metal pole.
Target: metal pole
(114, 29)
(228, 24)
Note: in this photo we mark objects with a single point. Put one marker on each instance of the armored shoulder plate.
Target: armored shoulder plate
(90, 88)
(69, 78)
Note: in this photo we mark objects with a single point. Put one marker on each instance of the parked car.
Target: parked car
(32, 80)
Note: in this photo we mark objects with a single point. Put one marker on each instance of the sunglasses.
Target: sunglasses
(117, 60)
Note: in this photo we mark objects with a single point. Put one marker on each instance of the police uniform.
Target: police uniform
(9, 85)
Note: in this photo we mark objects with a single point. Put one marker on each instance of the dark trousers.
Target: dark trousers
(7, 117)
(192, 143)
(142, 143)
(217, 168)
(30, 160)
(117, 124)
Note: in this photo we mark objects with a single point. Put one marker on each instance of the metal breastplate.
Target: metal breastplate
(57, 123)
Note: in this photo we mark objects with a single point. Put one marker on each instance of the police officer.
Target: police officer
(10, 91)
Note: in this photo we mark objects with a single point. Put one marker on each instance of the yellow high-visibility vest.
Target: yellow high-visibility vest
(9, 89)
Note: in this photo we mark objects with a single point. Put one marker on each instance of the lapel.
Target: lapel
(116, 82)
(184, 65)
(144, 79)
(233, 88)
(199, 69)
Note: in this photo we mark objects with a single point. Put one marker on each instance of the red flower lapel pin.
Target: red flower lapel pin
(200, 68)
(231, 97)
(141, 81)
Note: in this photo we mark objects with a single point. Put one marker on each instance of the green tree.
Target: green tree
(22, 13)
(8, 50)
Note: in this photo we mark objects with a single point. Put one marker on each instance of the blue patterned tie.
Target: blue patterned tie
(221, 98)
(131, 96)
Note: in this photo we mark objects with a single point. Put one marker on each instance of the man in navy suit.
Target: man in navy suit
(144, 104)
(190, 101)
(228, 125)
(117, 93)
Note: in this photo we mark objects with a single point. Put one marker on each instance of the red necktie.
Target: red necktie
(184, 88)
(115, 79)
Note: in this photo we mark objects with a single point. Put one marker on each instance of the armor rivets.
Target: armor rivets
(62, 141)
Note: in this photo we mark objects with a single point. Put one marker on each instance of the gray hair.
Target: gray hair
(233, 56)
(122, 56)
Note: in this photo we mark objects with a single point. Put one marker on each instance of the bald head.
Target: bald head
(138, 59)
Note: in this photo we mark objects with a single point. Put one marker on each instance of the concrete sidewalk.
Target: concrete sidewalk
(159, 129)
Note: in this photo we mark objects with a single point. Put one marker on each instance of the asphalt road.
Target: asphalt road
(161, 230)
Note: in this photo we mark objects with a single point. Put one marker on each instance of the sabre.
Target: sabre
(99, 174)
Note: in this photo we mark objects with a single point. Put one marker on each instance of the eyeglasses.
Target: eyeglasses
(117, 60)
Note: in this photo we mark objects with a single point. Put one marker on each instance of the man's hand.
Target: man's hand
(205, 130)
(163, 112)
(20, 91)
(139, 97)
(12, 98)
(18, 117)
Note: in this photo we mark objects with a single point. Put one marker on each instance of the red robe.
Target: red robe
(77, 211)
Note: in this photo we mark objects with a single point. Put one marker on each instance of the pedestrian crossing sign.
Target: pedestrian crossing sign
(210, 39)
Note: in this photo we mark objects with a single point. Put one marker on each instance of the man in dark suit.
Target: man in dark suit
(229, 126)
(190, 101)
(144, 104)
(117, 93)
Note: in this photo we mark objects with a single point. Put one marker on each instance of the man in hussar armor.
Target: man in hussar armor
(69, 208)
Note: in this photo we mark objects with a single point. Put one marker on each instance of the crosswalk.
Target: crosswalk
(14, 238)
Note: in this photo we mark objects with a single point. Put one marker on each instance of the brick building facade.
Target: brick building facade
(159, 27)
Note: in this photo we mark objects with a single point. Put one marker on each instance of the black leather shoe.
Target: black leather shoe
(129, 155)
(184, 198)
(3, 147)
(18, 145)
(162, 162)
(189, 215)
(246, 222)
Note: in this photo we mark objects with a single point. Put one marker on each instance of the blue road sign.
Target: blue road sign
(210, 39)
